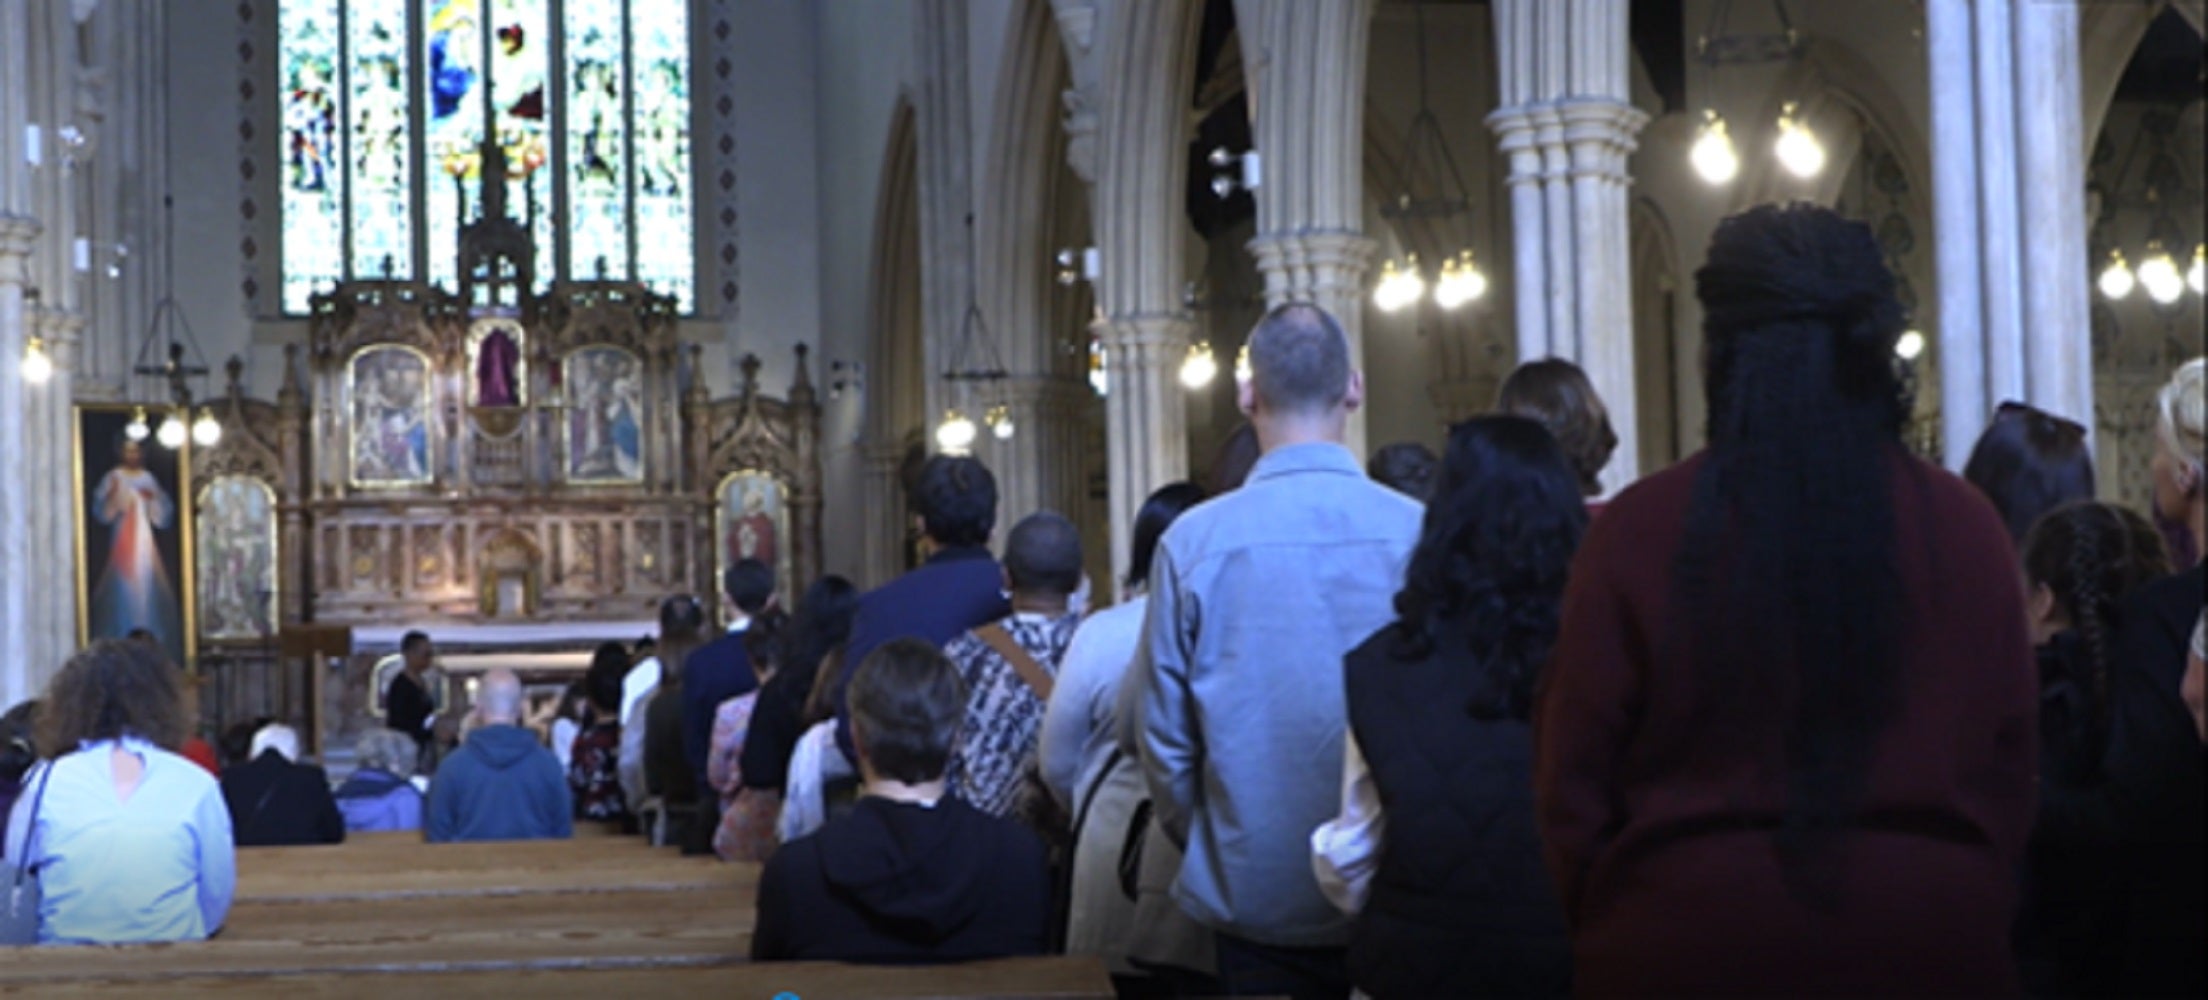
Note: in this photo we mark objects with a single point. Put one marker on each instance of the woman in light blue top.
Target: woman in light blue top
(131, 841)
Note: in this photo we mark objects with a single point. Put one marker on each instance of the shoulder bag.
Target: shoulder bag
(19, 920)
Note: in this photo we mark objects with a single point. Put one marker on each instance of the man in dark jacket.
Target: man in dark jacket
(714, 673)
(910, 875)
(960, 587)
(407, 706)
(501, 784)
(275, 802)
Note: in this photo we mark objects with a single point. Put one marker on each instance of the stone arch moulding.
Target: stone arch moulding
(1662, 356)
(895, 399)
(2108, 34)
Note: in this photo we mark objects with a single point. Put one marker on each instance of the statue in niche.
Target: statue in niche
(496, 362)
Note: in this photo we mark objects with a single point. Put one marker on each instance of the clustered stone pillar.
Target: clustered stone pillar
(2008, 193)
(1567, 125)
(18, 576)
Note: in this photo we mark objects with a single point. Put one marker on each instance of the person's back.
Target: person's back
(1009, 665)
(1255, 597)
(500, 784)
(274, 802)
(373, 800)
(910, 874)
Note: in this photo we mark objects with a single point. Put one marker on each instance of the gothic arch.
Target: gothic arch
(1661, 351)
(896, 355)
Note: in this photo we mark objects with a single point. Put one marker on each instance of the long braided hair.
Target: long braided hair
(1786, 579)
(2091, 556)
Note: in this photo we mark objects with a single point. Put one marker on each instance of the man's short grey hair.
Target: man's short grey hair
(386, 750)
(500, 696)
(1299, 360)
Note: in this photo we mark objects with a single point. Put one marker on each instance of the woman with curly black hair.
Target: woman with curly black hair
(1435, 850)
(2081, 562)
(1785, 745)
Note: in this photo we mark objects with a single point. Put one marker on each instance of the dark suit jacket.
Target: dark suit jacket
(274, 802)
(955, 590)
(711, 674)
(407, 708)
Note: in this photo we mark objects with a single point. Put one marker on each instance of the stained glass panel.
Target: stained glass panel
(597, 141)
(660, 74)
(520, 64)
(314, 177)
(381, 181)
(452, 61)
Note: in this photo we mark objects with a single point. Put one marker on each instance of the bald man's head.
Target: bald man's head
(498, 698)
(1299, 361)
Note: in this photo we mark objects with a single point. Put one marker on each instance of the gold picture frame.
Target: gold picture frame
(732, 505)
(590, 391)
(134, 531)
(422, 409)
(220, 568)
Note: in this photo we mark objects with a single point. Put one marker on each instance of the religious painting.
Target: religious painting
(605, 416)
(497, 365)
(133, 553)
(236, 556)
(393, 419)
(753, 522)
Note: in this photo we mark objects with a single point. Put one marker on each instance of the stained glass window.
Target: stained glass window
(387, 103)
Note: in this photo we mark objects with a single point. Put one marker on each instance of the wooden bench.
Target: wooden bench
(349, 871)
(1013, 977)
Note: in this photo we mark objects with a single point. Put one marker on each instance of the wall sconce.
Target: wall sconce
(1233, 171)
(1078, 264)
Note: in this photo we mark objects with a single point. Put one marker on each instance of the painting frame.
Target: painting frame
(268, 604)
(727, 512)
(471, 380)
(425, 408)
(98, 448)
(570, 385)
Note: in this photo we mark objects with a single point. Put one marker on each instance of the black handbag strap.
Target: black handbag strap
(1104, 774)
(30, 829)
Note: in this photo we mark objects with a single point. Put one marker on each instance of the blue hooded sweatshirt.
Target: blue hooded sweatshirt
(500, 785)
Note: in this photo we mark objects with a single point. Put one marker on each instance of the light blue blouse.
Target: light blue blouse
(159, 866)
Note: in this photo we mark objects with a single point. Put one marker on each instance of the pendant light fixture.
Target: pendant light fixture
(1433, 188)
(1797, 147)
(181, 361)
(1714, 157)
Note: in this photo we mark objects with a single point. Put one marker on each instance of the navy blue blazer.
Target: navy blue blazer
(711, 674)
(955, 590)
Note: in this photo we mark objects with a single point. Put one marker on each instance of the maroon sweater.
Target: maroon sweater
(1658, 826)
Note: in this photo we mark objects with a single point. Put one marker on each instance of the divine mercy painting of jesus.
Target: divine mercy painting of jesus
(131, 568)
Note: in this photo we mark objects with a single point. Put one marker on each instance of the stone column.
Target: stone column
(1567, 126)
(2014, 313)
(1307, 72)
(19, 576)
(1145, 415)
(53, 496)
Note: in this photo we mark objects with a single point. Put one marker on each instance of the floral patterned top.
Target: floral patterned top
(594, 773)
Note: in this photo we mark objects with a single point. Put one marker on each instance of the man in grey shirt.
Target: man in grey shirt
(1255, 598)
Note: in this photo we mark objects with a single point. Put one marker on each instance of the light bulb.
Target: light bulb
(1000, 423)
(1399, 286)
(2116, 280)
(37, 367)
(956, 434)
(1911, 345)
(206, 433)
(1460, 282)
(1100, 379)
(2158, 274)
(172, 432)
(1797, 147)
(1712, 154)
(137, 430)
(1242, 365)
(1199, 368)
(2193, 274)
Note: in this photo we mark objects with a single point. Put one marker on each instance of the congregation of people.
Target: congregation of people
(1801, 715)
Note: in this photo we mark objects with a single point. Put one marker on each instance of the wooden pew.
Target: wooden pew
(1015, 977)
(397, 871)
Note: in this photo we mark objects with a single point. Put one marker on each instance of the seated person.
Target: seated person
(910, 875)
(501, 784)
(379, 795)
(274, 800)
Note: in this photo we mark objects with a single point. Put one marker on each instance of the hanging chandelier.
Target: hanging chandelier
(1426, 156)
(1796, 147)
(2157, 272)
(957, 433)
(179, 362)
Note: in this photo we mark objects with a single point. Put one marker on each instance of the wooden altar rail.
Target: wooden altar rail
(592, 917)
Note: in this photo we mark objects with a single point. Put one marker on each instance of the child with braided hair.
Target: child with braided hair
(2081, 562)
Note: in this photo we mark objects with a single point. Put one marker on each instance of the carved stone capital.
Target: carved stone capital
(1301, 265)
(18, 235)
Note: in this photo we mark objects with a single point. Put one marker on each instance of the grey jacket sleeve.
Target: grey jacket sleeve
(1171, 745)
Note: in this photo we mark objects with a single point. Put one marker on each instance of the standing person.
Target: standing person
(1254, 597)
(594, 765)
(500, 784)
(1558, 395)
(716, 672)
(681, 629)
(2149, 798)
(779, 718)
(1406, 467)
(1008, 665)
(1836, 798)
(1101, 787)
(2081, 562)
(275, 800)
(960, 586)
(2028, 462)
(1446, 883)
(131, 841)
(407, 706)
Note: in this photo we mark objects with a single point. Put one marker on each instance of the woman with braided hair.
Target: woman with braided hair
(2081, 562)
(1785, 744)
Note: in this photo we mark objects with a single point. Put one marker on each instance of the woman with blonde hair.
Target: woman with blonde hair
(131, 841)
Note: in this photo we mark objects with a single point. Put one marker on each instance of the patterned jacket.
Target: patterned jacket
(1004, 716)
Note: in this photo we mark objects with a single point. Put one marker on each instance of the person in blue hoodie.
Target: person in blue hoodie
(501, 784)
(378, 796)
(910, 875)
